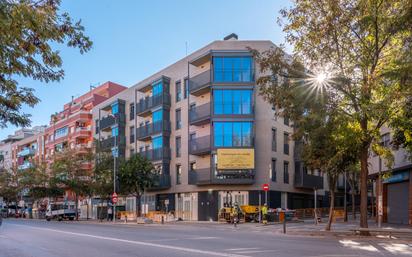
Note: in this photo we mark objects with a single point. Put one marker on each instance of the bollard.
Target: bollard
(284, 224)
(163, 220)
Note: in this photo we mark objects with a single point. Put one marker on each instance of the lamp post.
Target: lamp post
(115, 153)
(345, 218)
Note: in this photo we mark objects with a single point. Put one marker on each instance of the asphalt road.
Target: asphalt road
(36, 238)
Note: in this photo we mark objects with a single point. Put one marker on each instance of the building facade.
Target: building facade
(211, 136)
(395, 186)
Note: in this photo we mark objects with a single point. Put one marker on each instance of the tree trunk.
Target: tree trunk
(353, 205)
(77, 206)
(364, 188)
(331, 209)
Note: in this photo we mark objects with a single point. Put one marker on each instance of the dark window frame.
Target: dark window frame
(178, 91)
(274, 170)
(178, 121)
(178, 146)
(178, 174)
(286, 172)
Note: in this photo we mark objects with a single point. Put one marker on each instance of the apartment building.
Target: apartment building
(396, 185)
(6, 145)
(29, 151)
(212, 138)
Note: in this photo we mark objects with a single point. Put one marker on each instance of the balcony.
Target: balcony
(156, 154)
(83, 148)
(200, 115)
(82, 132)
(206, 177)
(200, 84)
(160, 181)
(144, 106)
(146, 131)
(26, 152)
(307, 181)
(108, 143)
(200, 146)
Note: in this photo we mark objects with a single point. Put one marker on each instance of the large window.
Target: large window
(131, 114)
(273, 170)
(233, 69)
(178, 174)
(178, 91)
(178, 146)
(131, 135)
(157, 142)
(115, 108)
(157, 116)
(286, 172)
(228, 101)
(274, 141)
(115, 131)
(157, 88)
(286, 143)
(229, 134)
(61, 132)
(186, 89)
(178, 119)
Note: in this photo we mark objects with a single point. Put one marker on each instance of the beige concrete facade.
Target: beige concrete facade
(264, 120)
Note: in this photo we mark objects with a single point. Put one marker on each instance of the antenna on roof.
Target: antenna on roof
(93, 85)
(186, 47)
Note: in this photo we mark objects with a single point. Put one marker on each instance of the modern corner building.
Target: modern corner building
(210, 135)
(396, 189)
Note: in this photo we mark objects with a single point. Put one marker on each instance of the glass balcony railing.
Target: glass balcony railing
(199, 115)
(144, 106)
(200, 146)
(146, 131)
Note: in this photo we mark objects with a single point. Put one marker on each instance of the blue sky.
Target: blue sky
(133, 39)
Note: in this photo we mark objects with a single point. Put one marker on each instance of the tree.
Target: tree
(135, 175)
(103, 177)
(29, 30)
(10, 188)
(70, 171)
(359, 51)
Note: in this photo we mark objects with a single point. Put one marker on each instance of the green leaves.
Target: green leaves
(136, 175)
(27, 31)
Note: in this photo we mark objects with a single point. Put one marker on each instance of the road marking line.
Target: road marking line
(178, 248)
(255, 251)
(241, 249)
(201, 238)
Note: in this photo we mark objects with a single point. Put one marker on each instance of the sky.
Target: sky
(133, 39)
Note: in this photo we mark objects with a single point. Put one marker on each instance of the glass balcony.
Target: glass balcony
(200, 115)
(306, 181)
(157, 154)
(200, 146)
(206, 176)
(200, 84)
(160, 181)
(146, 131)
(109, 143)
(144, 106)
(108, 121)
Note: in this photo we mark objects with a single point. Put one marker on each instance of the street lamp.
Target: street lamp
(115, 153)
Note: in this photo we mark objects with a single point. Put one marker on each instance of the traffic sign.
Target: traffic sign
(114, 197)
(265, 187)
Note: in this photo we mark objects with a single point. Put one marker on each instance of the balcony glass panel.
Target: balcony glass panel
(229, 134)
(233, 69)
(227, 101)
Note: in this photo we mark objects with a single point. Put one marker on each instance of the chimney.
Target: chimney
(231, 37)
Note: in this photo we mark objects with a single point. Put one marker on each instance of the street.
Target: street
(37, 238)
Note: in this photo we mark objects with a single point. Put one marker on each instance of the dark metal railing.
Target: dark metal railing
(199, 113)
(200, 81)
(152, 128)
(148, 103)
(201, 145)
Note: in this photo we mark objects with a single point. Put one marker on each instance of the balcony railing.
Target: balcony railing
(304, 180)
(160, 181)
(82, 132)
(145, 105)
(200, 84)
(26, 152)
(108, 143)
(156, 154)
(200, 115)
(146, 131)
(206, 177)
(200, 146)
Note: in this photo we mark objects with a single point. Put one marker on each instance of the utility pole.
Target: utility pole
(315, 205)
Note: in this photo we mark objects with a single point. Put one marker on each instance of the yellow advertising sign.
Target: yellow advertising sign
(235, 159)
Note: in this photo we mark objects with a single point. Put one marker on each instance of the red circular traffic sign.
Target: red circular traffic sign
(265, 187)
(114, 197)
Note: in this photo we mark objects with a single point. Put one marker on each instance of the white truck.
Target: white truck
(60, 212)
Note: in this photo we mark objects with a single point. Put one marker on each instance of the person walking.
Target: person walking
(235, 214)
(265, 214)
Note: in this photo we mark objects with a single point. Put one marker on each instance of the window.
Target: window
(286, 172)
(274, 141)
(157, 89)
(178, 119)
(233, 69)
(186, 89)
(157, 116)
(228, 134)
(61, 132)
(115, 131)
(131, 113)
(228, 101)
(178, 91)
(385, 140)
(286, 120)
(157, 142)
(178, 174)
(131, 151)
(115, 108)
(178, 146)
(131, 134)
(273, 170)
(286, 143)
